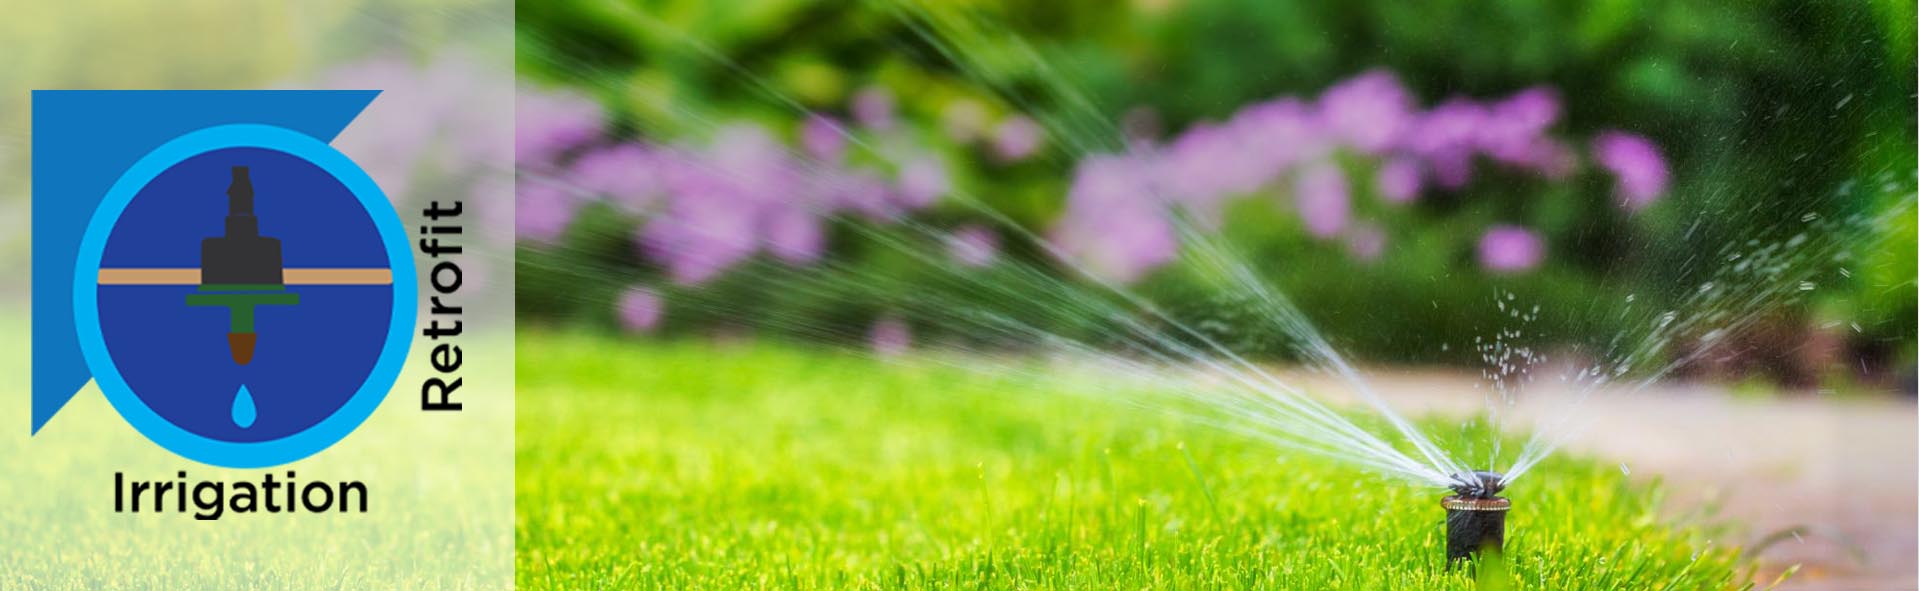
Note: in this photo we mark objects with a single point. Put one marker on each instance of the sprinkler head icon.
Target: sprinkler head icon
(241, 270)
(242, 293)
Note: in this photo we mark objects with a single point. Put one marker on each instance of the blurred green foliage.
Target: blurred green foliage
(1768, 110)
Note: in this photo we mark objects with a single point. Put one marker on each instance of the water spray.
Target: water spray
(1475, 516)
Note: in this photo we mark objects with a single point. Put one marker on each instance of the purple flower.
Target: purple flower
(545, 211)
(1208, 163)
(550, 122)
(752, 163)
(1320, 193)
(1446, 137)
(1269, 137)
(624, 172)
(1368, 111)
(873, 108)
(1115, 227)
(640, 309)
(706, 229)
(1451, 168)
(1365, 241)
(1637, 164)
(794, 234)
(1104, 180)
(1198, 168)
(692, 257)
(890, 337)
(1121, 244)
(922, 181)
(973, 246)
(1017, 138)
(858, 191)
(1398, 180)
(1513, 129)
(1533, 110)
(824, 139)
(1550, 158)
(1510, 249)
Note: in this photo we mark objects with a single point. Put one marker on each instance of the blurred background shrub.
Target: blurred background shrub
(1394, 167)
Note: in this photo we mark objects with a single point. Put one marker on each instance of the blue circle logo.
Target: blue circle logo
(245, 296)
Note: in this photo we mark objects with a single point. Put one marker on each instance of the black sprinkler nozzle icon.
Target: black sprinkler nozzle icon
(241, 270)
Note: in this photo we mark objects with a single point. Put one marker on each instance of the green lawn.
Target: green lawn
(758, 466)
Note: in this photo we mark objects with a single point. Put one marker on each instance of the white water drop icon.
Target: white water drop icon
(243, 411)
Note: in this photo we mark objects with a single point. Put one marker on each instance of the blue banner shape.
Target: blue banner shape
(83, 140)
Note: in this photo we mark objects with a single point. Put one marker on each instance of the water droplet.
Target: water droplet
(243, 412)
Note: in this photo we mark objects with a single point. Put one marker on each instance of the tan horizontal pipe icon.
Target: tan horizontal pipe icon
(291, 276)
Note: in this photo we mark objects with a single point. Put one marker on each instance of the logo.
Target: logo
(241, 292)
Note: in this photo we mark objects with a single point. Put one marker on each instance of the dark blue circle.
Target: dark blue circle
(310, 358)
(365, 399)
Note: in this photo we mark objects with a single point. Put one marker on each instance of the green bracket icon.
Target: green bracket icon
(239, 300)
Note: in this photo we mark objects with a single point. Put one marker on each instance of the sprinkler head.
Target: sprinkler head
(1475, 516)
(1481, 484)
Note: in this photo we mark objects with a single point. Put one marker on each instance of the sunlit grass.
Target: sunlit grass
(689, 466)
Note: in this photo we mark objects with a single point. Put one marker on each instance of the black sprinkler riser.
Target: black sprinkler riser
(1475, 515)
(1474, 525)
